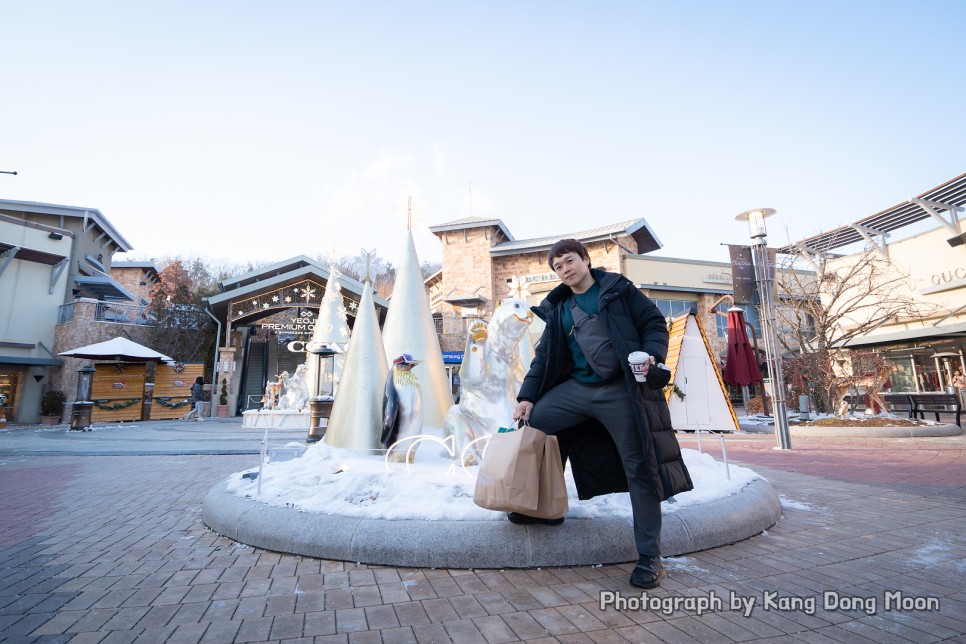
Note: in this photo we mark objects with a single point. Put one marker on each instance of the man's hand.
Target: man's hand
(523, 409)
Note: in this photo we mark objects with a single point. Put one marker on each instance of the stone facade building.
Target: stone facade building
(483, 263)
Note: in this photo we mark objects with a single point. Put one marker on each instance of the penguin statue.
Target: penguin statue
(402, 405)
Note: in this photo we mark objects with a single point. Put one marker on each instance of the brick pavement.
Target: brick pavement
(112, 549)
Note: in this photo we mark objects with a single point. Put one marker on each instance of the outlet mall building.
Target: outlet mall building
(61, 288)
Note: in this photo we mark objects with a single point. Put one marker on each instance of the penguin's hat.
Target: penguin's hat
(405, 359)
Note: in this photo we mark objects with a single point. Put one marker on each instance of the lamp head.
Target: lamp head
(756, 220)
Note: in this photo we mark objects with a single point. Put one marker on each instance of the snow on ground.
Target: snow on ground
(341, 482)
(793, 418)
(796, 505)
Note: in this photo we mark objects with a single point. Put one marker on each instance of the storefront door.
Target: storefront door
(9, 393)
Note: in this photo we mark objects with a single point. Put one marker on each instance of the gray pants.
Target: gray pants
(197, 411)
(573, 402)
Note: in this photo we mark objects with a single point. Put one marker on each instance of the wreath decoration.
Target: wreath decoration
(165, 401)
(118, 368)
(107, 406)
(179, 367)
(674, 389)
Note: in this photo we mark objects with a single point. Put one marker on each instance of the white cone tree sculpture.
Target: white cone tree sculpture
(356, 420)
(409, 329)
(331, 328)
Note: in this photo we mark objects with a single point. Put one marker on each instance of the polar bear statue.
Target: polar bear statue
(491, 374)
(296, 394)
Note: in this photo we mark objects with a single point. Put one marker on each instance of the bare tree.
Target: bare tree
(845, 297)
(181, 328)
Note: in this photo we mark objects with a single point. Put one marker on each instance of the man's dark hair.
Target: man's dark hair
(565, 246)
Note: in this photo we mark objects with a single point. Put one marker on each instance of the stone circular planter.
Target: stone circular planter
(485, 544)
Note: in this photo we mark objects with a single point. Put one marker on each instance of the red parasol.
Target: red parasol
(742, 366)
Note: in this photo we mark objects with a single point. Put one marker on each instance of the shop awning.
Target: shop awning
(932, 332)
(30, 360)
(103, 288)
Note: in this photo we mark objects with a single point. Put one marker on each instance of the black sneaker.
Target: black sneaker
(648, 572)
(525, 519)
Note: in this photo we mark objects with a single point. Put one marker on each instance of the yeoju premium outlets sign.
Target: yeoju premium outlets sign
(303, 324)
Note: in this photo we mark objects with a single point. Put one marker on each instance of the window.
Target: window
(751, 315)
(674, 308)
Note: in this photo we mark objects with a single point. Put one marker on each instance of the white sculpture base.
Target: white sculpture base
(276, 418)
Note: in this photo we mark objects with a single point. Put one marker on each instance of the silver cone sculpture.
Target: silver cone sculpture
(409, 329)
(356, 420)
(331, 328)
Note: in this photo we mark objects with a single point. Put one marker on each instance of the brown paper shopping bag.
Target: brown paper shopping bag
(509, 475)
(552, 499)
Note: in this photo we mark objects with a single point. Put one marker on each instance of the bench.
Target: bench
(855, 403)
(935, 404)
(899, 403)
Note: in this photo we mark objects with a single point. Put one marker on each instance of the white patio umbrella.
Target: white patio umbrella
(120, 349)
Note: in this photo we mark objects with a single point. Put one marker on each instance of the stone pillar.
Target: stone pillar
(226, 370)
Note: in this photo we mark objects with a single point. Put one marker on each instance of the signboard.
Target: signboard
(302, 324)
(452, 357)
(743, 276)
(536, 279)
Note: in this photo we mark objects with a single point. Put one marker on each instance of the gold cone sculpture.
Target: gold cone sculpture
(331, 329)
(409, 329)
(356, 420)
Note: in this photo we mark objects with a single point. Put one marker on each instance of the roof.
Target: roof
(280, 275)
(951, 193)
(69, 211)
(646, 240)
(297, 263)
(471, 222)
(148, 264)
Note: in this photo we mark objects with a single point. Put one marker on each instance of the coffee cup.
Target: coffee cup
(638, 360)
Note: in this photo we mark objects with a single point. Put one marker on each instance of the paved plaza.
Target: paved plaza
(101, 540)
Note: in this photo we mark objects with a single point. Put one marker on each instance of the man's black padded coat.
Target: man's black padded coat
(633, 323)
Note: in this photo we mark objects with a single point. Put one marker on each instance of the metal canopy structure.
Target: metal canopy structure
(943, 203)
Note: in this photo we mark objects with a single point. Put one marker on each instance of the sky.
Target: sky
(253, 132)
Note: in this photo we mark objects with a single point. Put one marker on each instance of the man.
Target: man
(580, 375)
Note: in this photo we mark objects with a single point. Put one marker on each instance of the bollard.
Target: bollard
(724, 455)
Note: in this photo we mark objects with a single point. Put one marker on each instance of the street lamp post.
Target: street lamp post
(83, 406)
(763, 276)
(323, 392)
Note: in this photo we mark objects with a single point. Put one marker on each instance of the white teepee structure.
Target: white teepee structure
(706, 405)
